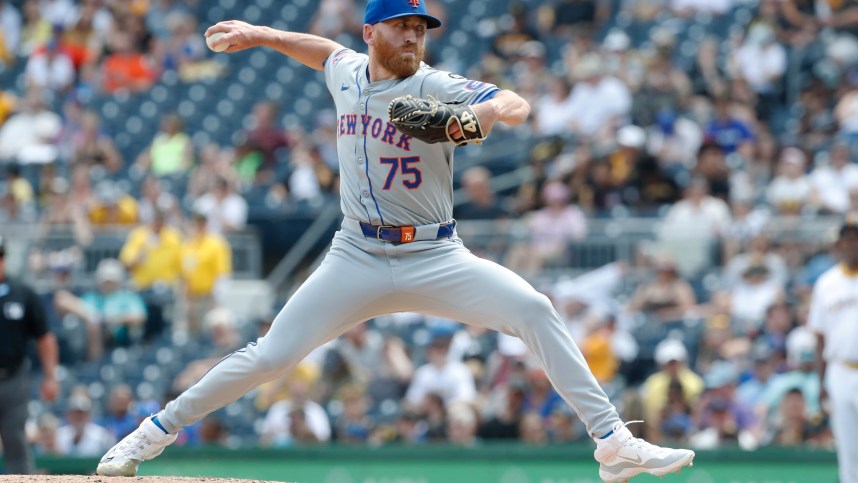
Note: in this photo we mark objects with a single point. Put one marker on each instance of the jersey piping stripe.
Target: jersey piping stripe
(366, 164)
(360, 91)
(486, 96)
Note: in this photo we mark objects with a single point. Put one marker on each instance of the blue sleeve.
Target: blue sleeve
(449, 87)
(490, 94)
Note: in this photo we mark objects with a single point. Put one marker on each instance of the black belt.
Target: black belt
(403, 234)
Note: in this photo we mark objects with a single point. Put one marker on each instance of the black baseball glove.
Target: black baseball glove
(429, 120)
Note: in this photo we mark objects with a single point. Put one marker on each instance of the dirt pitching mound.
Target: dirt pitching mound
(118, 479)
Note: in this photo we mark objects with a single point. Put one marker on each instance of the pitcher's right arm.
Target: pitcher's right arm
(310, 50)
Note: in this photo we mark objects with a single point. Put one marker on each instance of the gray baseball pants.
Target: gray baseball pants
(362, 278)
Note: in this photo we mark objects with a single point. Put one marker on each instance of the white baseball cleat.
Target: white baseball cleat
(622, 456)
(144, 443)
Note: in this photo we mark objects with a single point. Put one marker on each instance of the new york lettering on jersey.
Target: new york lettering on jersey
(387, 177)
(367, 125)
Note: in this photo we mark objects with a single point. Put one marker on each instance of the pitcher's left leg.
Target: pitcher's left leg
(478, 292)
(469, 289)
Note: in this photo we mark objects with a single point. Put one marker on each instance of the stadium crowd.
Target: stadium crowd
(725, 121)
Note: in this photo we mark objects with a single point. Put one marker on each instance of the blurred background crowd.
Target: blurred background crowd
(672, 193)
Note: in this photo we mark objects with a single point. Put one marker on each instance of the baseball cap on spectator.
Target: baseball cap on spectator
(670, 350)
(801, 348)
(532, 48)
(616, 40)
(663, 38)
(219, 317)
(721, 374)
(79, 402)
(631, 136)
(106, 193)
(381, 10)
(760, 34)
(59, 186)
(589, 66)
(441, 335)
(843, 50)
(62, 261)
(109, 270)
(761, 353)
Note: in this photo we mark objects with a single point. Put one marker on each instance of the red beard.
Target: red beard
(394, 60)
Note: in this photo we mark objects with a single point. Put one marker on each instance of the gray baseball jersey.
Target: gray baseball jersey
(389, 178)
(386, 177)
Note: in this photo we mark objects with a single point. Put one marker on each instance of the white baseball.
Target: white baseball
(211, 39)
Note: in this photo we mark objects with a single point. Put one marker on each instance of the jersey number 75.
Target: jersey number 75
(411, 175)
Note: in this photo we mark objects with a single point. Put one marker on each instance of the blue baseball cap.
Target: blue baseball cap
(381, 10)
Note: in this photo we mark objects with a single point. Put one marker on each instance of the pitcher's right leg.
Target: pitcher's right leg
(343, 291)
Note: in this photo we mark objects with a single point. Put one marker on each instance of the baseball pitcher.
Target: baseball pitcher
(399, 121)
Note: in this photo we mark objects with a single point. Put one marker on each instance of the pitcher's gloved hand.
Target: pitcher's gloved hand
(430, 120)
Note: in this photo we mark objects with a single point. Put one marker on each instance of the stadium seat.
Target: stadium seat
(252, 14)
(289, 13)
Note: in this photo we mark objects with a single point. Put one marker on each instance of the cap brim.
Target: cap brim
(431, 22)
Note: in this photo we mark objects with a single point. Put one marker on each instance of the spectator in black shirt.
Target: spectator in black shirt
(22, 317)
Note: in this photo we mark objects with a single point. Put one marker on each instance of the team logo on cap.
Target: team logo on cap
(414, 3)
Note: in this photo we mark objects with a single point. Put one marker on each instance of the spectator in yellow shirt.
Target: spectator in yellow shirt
(7, 105)
(112, 207)
(672, 358)
(20, 188)
(206, 266)
(153, 254)
(171, 151)
(598, 352)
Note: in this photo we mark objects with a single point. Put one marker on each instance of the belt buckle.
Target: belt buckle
(378, 231)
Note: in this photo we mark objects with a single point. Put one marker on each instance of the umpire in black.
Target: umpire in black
(22, 317)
